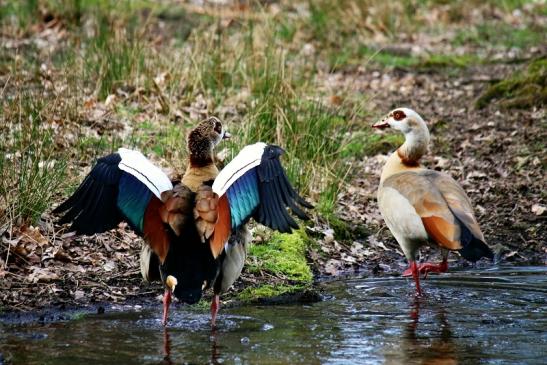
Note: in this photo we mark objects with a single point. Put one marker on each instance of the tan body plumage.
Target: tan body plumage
(422, 206)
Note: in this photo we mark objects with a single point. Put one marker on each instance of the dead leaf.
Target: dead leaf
(32, 234)
(538, 209)
(41, 275)
(110, 99)
(331, 267)
(374, 242)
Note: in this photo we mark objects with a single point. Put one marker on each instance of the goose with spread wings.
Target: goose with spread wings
(195, 230)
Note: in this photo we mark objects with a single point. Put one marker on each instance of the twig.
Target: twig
(5, 86)
(140, 293)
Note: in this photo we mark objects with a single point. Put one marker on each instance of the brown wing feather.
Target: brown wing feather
(457, 200)
(223, 227)
(155, 233)
(174, 209)
(442, 232)
(438, 216)
(177, 207)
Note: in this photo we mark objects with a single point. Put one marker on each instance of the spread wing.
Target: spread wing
(127, 186)
(445, 211)
(254, 184)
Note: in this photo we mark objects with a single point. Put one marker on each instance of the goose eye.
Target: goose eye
(218, 127)
(398, 115)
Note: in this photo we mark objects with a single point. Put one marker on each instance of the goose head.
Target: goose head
(411, 124)
(204, 138)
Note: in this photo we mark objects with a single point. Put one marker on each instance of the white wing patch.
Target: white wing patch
(134, 163)
(250, 156)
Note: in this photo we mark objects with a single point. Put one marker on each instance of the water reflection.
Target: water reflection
(166, 348)
(436, 350)
(428, 338)
(215, 349)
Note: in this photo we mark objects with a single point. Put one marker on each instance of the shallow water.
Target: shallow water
(496, 316)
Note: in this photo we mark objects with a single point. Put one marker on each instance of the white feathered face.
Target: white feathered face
(216, 130)
(401, 119)
(206, 136)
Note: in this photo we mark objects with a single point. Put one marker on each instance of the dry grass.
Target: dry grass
(131, 73)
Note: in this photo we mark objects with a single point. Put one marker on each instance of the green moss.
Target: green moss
(342, 230)
(77, 316)
(441, 60)
(523, 90)
(251, 294)
(284, 256)
(500, 34)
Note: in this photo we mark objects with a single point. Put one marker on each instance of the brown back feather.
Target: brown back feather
(177, 207)
(206, 211)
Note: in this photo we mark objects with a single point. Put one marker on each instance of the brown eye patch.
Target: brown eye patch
(399, 115)
(218, 127)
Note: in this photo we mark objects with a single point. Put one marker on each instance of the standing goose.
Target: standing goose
(196, 230)
(422, 206)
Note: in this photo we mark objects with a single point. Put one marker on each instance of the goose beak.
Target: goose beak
(381, 124)
(226, 135)
(171, 282)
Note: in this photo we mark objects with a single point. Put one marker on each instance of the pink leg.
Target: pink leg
(215, 306)
(416, 275)
(166, 303)
(428, 267)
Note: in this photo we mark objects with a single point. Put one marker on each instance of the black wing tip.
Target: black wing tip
(272, 151)
(305, 203)
(59, 209)
(278, 197)
(476, 250)
(92, 207)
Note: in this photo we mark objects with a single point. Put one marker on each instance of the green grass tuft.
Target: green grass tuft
(30, 173)
(370, 144)
(500, 34)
